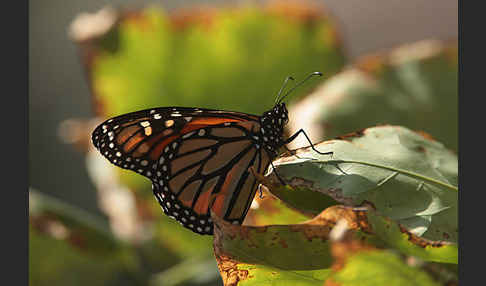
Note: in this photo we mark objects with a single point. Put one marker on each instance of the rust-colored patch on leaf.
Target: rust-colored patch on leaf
(321, 225)
(302, 11)
(445, 235)
(422, 242)
(312, 231)
(451, 53)
(49, 224)
(327, 219)
(228, 268)
(420, 149)
(373, 64)
(198, 16)
(229, 271)
(136, 18)
(52, 225)
(349, 136)
(330, 282)
(425, 135)
(77, 239)
(335, 193)
(223, 229)
(356, 219)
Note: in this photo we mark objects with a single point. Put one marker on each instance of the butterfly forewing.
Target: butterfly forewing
(198, 159)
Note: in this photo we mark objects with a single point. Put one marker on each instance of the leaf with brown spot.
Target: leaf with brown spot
(407, 177)
(296, 254)
(397, 237)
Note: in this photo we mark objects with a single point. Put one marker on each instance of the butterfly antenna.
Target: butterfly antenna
(282, 88)
(299, 84)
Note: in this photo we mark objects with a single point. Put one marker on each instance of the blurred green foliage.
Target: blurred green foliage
(70, 246)
(380, 268)
(221, 59)
(413, 85)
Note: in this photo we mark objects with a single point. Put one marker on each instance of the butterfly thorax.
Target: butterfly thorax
(272, 127)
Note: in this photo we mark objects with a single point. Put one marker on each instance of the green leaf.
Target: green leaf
(169, 234)
(289, 247)
(305, 252)
(253, 274)
(63, 238)
(58, 262)
(270, 210)
(406, 176)
(280, 254)
(397, 238)
(414, 85)
(304, 201)
(199, 270)
(81, 229)
(378, 268)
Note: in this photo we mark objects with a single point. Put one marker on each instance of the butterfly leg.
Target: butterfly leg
(292, 138)
(292, 152)
(260, 192)
(262, 179)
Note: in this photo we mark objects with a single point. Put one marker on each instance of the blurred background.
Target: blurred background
(385, 62)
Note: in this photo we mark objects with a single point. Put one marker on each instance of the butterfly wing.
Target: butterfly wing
(197, 159)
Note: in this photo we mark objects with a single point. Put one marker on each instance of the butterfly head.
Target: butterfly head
(273, 122)
(277, 117)
(280, 111)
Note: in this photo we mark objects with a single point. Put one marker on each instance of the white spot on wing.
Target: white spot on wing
(188, 135)
(145, 123)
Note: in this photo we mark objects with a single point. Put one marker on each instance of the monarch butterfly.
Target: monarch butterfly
(198, 159)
